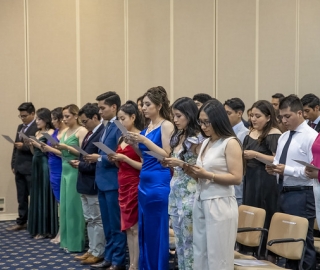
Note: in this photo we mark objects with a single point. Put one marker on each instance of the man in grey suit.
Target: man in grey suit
(235, 108)
(21, 163)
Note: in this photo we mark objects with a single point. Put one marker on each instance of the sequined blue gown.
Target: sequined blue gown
(153, 192)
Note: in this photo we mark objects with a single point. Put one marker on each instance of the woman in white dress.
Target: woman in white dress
(215, 210)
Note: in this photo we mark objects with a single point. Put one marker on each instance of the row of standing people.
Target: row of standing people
(215, 181)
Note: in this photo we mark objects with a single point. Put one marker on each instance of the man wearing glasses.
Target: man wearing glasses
(21, 163)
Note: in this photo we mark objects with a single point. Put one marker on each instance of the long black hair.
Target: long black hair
(45, 115)
(220, 122)
(189, 109)
(218, 118)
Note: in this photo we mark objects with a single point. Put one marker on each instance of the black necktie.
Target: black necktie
(313, 125)
(283, 157)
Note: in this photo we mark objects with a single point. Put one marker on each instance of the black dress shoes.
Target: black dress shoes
(117, 267)
(103, 265)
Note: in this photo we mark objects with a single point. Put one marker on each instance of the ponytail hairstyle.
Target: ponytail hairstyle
(158, 96)
(131, 108)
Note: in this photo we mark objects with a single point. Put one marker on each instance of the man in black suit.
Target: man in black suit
(90, 118)
(311, 110)
(21, 163)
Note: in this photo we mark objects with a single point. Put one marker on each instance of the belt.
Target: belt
(296, 188)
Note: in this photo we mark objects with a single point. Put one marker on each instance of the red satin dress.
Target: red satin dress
(128, 179)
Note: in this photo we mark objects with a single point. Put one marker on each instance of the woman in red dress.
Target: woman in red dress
(129, 164)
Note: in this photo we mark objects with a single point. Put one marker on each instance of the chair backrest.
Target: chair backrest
(252, 217)
(287, 226)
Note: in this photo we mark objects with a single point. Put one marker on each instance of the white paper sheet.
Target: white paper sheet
(249, 262)
(121, 127)
(104, 148)
(8, 138)
(34, 138)
(79, 149)
(306, 164)
(154, 154)
(52, 140)
(23, 136)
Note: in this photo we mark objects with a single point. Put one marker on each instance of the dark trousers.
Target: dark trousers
(301, 203)
(23, 182)
(116, 240)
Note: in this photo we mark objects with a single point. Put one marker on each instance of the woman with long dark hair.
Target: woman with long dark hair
(43, 214)
(215, 210)
(154, 183)
(129, 163)
(185, 144)
(54, 157)
(259, 187)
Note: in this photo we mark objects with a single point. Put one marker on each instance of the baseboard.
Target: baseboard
(4, 217)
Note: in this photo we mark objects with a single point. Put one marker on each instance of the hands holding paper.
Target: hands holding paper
(311, 173)
(91, 158)
(172, 162)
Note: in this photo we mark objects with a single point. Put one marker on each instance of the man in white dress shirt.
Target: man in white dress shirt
(235, 108)
(296, 189)
(311, 110)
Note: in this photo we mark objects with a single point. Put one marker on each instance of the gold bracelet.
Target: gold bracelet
(213, 176)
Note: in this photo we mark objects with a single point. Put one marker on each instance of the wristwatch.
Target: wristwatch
(99, 158)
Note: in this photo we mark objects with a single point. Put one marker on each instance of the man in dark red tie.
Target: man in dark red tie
(21, 163)
(311, 110)
(90, 118)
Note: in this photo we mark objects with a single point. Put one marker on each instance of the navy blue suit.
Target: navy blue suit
(107, 182)
(86, 177)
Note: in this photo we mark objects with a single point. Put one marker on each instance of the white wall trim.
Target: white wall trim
(78, 53)
(297, 56)
(126, 49)
(215, 51)
(256, 88)
(4, 217)
(26, 49)
(171, 96)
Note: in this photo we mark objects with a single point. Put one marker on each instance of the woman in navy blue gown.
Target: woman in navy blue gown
(154, 187)
(54, 160)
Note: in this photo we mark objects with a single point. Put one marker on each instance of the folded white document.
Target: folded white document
(306, 164)
(121, 127)
(104, 148)
(52, 140)
(249, 262)
(79, 149)
(8, 138)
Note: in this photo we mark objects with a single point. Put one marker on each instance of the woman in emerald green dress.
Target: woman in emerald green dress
(72, 225)
(43, 213)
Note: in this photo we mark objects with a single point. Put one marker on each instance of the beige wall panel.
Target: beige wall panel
(52, 52)
(148, 45)
(236, 50)
(309, 44)
(101, 48)
(12, 85)
(193, 47)
(277, 45)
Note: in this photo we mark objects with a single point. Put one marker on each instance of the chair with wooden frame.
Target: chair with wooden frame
(286, 238)
(250, 229)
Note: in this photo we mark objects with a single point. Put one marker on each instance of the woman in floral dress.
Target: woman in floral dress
(185, 144)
